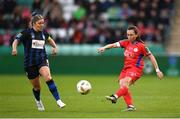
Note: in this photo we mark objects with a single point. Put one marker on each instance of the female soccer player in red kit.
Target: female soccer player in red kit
(134, 51)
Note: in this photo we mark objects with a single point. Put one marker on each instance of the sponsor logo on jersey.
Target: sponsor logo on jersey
(132, 74)
(129, 54)
(38, 44)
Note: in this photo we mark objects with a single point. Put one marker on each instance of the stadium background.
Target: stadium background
(79, 27)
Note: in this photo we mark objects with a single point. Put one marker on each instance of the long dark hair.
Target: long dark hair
(136, 31)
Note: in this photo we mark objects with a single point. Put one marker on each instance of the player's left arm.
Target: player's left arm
(155, 64)
(53, 44)
(148, 53)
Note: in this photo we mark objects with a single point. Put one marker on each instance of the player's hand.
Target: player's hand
(160, 74)
(14, 52)
(101, 49)
(54, 51)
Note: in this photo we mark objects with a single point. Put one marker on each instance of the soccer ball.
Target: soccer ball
(83, 87)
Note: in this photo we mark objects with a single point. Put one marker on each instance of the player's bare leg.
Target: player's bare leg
(45, 72)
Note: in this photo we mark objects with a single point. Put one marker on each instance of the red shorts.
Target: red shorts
(133, 72)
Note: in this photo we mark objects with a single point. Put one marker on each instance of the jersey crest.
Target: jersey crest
(135, 49)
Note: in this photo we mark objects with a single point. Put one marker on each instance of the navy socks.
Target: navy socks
(36, 94)
(53, 89)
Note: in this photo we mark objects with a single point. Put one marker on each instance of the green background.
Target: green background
(81, 59)
(75, 64)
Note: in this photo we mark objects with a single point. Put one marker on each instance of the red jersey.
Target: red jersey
(134, 53)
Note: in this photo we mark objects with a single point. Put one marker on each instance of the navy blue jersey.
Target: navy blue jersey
(34, 46)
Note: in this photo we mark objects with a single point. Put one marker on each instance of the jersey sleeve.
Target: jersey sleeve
(21, 36)
(123, 43)
(146, 50)
(48, 36)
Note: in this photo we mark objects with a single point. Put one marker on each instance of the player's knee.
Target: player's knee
(124, 83)
(48, 77)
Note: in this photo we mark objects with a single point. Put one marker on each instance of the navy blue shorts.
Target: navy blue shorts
(33, 71)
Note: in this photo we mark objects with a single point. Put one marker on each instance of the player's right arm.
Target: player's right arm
(109, 46)
(18, 38)
(121, 44)
(14, 47)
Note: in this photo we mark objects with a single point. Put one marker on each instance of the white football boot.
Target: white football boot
(61, 104)
(39, 105)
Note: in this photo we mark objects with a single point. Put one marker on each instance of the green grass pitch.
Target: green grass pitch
(152, 98)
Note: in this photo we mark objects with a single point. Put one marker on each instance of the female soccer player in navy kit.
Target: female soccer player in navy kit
(35, 58)
(134, 51)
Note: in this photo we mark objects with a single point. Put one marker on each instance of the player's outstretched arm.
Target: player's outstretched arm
(154, 62)
(14, 47)
(54, 47)
(109, 46)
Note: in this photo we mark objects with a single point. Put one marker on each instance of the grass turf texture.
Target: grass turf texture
(152, 98)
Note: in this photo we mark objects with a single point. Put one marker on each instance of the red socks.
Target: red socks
(126, 95)
(128, 98)
(122, 91)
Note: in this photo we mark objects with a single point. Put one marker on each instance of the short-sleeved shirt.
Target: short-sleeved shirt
(34, 46)
(134, 53)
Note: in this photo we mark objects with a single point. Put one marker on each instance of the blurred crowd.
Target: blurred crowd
(89, 21)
